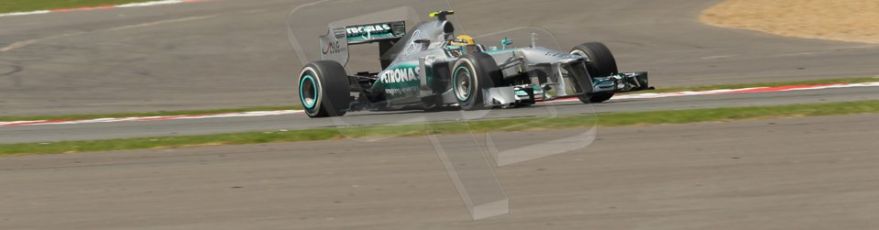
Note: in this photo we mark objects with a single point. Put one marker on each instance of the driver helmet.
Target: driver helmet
(463, 40)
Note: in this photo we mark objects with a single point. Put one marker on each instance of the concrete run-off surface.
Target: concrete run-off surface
(847, 20)
(810, 173)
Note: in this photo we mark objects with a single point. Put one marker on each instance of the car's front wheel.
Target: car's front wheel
(600, 62)
(597, 97)
(471, 75)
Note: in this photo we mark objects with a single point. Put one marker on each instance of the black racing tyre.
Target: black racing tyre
(472, 74)
(324, 89)
(600, 63)
(600, 60)
(597, 98)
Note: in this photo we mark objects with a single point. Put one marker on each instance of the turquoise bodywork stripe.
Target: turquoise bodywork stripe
(315, 94)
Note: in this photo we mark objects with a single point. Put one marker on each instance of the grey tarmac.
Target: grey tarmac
(801, 173)
(235, 53)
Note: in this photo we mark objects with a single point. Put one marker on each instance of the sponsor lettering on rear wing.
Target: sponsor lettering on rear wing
(358, 34)
(334, 45)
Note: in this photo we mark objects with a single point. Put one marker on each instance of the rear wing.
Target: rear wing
(360, 34)
(334, 45)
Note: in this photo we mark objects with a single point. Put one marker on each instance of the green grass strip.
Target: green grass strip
(518, 124)
(7, 6)
(768, 84)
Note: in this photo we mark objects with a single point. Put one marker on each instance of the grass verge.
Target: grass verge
(7, 6)
(519, 124)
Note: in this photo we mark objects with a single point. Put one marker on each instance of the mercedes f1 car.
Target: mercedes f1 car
(432, 68)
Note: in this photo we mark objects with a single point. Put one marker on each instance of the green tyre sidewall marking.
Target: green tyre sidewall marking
(308, 77)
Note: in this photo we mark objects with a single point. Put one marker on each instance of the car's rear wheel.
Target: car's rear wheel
(471, 75)
(600, 62)
(324, 89)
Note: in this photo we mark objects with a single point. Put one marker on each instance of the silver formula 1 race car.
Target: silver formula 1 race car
(432, 68)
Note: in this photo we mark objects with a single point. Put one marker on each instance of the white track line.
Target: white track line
(162, 22)
(745, 90)
(153, 3)
(127, 5)
(734, 91)
(25, 13)
(290, 112)
(837, 86)
(678, 94)
(151, 118)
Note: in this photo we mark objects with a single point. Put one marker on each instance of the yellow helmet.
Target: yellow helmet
(464, 40)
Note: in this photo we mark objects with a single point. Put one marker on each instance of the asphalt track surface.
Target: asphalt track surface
(804, 173)
(52, 133)
(234, 53)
